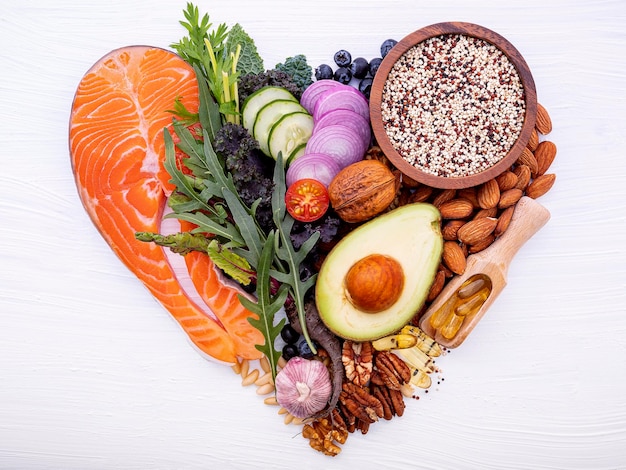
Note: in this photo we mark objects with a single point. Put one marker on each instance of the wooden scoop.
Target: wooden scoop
(465, 299)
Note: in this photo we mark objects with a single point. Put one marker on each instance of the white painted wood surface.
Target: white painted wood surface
(94, 373)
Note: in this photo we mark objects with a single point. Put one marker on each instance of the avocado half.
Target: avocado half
(411, 235)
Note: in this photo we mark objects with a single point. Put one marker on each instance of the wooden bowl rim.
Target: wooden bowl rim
(466, 29)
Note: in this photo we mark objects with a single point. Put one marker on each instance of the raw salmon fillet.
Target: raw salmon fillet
(117, 152)
(224, 301)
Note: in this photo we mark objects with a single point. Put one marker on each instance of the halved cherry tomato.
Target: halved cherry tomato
(307, 200)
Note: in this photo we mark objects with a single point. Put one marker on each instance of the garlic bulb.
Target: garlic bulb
(303, 387)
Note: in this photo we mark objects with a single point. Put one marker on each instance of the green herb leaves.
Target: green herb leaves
(290, 259)
(215, 55)
(226, 227)
(267, 305)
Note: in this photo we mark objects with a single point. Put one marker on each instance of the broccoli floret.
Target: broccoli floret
(251, 170)
(299, 69)
(250, 83)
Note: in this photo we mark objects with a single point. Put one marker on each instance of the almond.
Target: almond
(510, 197)
(544, 154)
(470, 195)
(488, 194)
(482, 244)
(503, 221)
(491, 212)
(539, 186)
(453, 257)
(523, 177)
(421, 194)
(506, 180)
(457, 208)
(533, 141)
(450, 229)
(446, 270)
(444, 196)
(543, 124)
(475, 230)
(527, 158)
(464, 249)
(437, 286)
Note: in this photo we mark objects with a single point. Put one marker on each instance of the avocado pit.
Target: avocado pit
(374, 283)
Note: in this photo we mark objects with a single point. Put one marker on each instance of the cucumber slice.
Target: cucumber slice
(289, 132)
(260, 98)
(267, 117)
(297, 152)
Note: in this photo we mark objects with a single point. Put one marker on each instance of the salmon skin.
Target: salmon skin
(117, 152)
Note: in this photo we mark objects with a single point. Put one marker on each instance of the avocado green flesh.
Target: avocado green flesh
(411, 234)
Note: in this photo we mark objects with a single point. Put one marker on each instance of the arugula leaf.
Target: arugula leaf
(267, 305)
(206, 224)
(183, 184)
(209, 110)
(287, 253)
(247, 227)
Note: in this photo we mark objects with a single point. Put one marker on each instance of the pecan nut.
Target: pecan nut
(357, 361)
(361, 403)
(393, 371)
(382, 393)
(392, 401)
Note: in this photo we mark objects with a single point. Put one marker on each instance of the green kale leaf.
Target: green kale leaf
(249, 59)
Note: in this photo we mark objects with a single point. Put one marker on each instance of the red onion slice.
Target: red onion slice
(341, 142)
(319, 166)
(344, 97)
(313, 91)
(348, 118)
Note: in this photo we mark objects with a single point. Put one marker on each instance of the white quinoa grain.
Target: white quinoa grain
(453, 105)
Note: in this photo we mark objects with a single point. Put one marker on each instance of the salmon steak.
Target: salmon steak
(117, 151)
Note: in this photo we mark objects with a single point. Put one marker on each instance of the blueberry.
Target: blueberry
(324, 72)
(359, 67)
(304, 350)
(342, 58)
(374, 64)
(343, 75)
(289, 335)
(365, 86)
(289, 351)
(386, 46)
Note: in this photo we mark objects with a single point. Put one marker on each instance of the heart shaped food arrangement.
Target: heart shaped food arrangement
(328, 232)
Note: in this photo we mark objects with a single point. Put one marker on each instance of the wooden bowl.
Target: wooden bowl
(464, 29)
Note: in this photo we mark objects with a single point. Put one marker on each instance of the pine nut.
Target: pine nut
(250, 378)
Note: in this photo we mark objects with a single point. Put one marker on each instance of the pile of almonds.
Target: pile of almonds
(473, 218)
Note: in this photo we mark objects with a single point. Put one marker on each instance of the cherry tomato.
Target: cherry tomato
(307, 200)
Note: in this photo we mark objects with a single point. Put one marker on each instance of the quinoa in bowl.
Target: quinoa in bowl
(454, 105)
